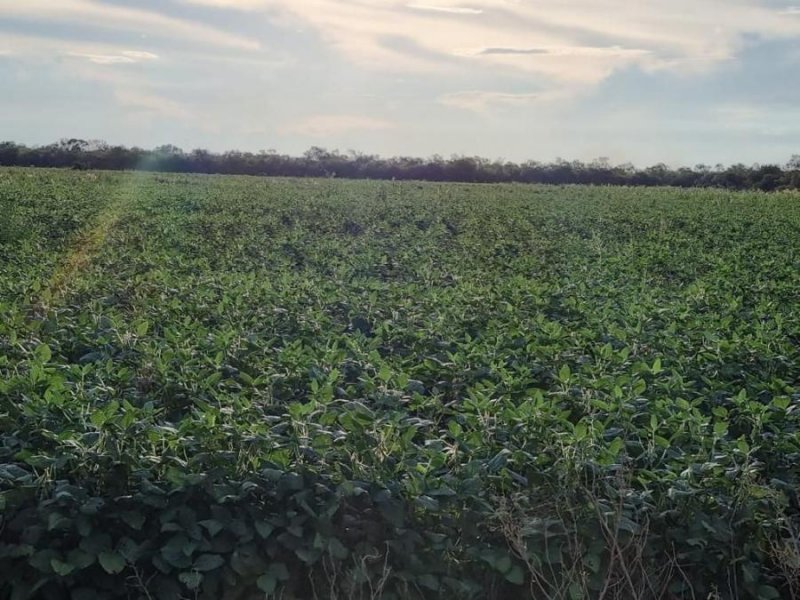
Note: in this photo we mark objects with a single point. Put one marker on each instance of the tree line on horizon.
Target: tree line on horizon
(319, 162)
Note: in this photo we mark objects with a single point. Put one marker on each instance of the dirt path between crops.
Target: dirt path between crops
(81, 253)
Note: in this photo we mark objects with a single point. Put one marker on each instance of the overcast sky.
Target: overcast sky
(679, 81)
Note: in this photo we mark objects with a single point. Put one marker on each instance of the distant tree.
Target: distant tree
(321, 162)
(9, 153)
(767, 178)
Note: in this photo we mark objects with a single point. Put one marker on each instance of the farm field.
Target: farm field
(232, 387)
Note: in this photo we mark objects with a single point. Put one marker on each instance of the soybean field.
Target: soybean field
(237, 387)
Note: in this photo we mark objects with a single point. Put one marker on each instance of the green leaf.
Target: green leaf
(503, 564)
(767, 592)
(429, 581)
(564, 374)
(742, 445)
(656, 368)
(80, 559)
(428, 503)
(264, 529)
(141, 328)
(625, 524)
(616, 446)
(96, 543)
(58, 521)
(279, 570)
(129, 549)
(134, 519)
(212, 526)
(111, 562)
(61, 568)
(41, 560)
(661, 441)
(208, 562)
(18, 551)
(191, 579)
(43, 353)
(337, 550)
(307, 555)
(516, 575)
(267, 583)
(781, 402)
(498, 461)
(593, 561)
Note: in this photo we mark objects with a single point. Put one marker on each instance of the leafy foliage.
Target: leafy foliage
(319, 388)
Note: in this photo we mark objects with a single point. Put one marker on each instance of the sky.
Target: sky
(642, 81)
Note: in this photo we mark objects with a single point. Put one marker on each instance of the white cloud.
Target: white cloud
(244, 5)
(40, 47)
(152, 104)
(329, 125)
(139, 55)
(124, 57)
(586, 51)
(122, 18)
(136, 91)
(482, 101)
(104, 59)
(452, 10)
(571, 41)
(564, 47)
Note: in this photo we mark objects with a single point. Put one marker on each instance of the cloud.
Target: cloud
(114, 17)
(139, 55)
(499, 51)
(571, 41)
(490, 51)
(241, 5)
(452, 10)
(567, 64)
(104, 59)
(614, 51)
(329, 125)
(41, 47)
(152, 104)
(124, 57)
(483, 101)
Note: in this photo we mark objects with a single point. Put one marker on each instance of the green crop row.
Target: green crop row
(229, 387)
